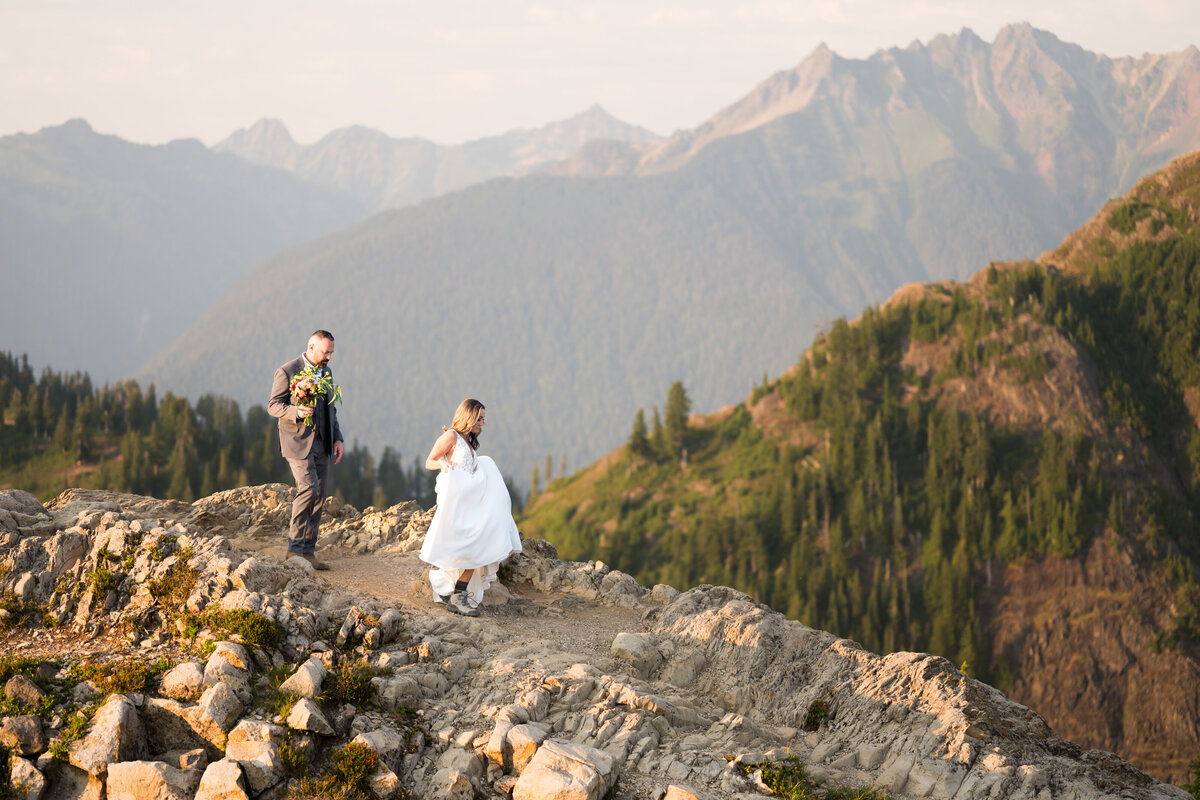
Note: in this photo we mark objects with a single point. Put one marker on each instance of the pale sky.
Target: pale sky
(152, 71)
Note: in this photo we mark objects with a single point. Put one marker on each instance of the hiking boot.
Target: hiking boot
(316, 562)
(459, 603)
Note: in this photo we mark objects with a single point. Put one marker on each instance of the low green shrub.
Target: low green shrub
(786, 778)
(76, 728)
(817, 713)
(294, 756)
(174, 587)
(353, 765)
(352, 684)
(102, 581)
(325, 787)
(790, 780)
(121, 676)
(1193, 788)
(251, 627)
(21, 613)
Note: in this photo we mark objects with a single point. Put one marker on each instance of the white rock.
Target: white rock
(452, 785)
(307, 679)
(523, 740)
(384, 784)
(116, 735)
(678, 793)
(150, 780)
(387, 744)
(561, 770)
(638, 650)
(23, 735)
(26, 775)
(184, 681)
(221, 705)
(461, 759)
(260, 763)
(222, 780)
(306, 716)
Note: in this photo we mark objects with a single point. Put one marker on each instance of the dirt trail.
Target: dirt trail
(520, 612)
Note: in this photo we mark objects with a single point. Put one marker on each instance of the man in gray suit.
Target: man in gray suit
(307, 448)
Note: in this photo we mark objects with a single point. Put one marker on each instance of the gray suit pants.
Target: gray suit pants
(310, 494)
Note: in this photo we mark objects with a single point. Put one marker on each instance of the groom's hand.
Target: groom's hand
(337, 452)
(303, 412)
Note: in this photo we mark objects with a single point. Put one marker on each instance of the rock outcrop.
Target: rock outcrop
(595, 685)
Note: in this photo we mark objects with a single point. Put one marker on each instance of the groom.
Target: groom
(307, 448)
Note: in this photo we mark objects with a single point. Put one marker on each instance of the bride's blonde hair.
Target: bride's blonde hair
(465, 418)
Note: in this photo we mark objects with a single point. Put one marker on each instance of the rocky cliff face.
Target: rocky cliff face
(575, 681)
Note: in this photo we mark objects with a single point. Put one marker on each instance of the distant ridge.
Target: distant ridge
(112, 249)
(388, 173)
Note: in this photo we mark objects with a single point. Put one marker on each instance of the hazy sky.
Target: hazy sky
(152, 71)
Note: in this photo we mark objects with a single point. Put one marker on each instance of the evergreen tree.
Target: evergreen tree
(535, 484)
(178, 468)
(677, 410)
(639, 444)
(62, 434)
(658, 435)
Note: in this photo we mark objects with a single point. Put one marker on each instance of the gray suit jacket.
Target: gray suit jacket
(295, 438)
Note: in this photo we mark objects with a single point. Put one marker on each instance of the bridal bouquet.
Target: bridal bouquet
(310, 384)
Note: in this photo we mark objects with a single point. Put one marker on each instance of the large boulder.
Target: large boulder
(220, 705)
(23, 690)
(398, 692)
(564, 771)
(116, 735)
(639, 651)
(23, 735)
(230, 664)
(18, 501)
(523, 741)
(306, 716)
(173, 725)
(222, 780)
(261, 763)
(307, 679)
(25, 776)
(452, 785)
(184, 681)
(255, 745)
(150, 780)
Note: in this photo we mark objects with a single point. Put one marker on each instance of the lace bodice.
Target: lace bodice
(463, 456)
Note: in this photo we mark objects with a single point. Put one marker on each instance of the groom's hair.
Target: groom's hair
(322, 334)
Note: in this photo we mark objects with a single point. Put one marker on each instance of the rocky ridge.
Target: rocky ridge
(687, 694)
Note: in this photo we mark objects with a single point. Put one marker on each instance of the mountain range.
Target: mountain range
(112, 249)
(101, 234)
(384, 172)
(569, 298)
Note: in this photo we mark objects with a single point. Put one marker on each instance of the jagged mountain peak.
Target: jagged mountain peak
(783, 93)
(267, 141)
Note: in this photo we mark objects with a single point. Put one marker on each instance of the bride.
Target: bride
(472, 529)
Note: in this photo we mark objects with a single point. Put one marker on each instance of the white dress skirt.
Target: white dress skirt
(472, 527)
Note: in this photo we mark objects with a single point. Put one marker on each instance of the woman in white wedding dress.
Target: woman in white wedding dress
(472, 529)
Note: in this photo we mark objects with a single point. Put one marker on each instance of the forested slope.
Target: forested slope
(1005, 472)
(59, 430)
